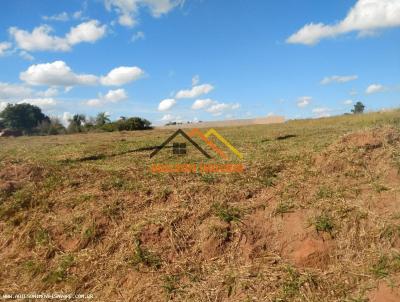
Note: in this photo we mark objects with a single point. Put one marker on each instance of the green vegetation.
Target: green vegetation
(23, 117)
(324, 223)
(61, 272)
(308, 220)
(30, 120)
(226, 213)
(358, 108)
(145, 257)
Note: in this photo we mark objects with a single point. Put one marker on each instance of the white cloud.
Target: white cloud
(65, 118)
(57, 73)
(41, 39)
(58, 17)
(348, 102)
(374, 88)
(122, 75)
(115, 95)
(365, 17)
(338, 79)
(3, 105)
(94, 102)
(201, 104)
(77, 14)
(26, 55)
(112, 96)
(128, 10)
(194, 92)
(38, 39)
(50, 92)
(219, 108)
(14, 91)
(138, 36)
(4, 46)
(321, 112)
(40, 102)
(168, 118)
(304, 101)
(166, 104)
(89, 31)
(195, 80)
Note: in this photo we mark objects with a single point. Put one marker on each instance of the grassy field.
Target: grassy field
(314, 217)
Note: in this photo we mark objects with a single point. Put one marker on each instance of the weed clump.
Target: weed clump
(61, 272)
(226, 213)
(145, 257)
(324, 223)
(284, 207)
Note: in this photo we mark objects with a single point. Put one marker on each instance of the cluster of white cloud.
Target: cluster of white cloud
(166, 104)
(338, 79)
(40, 102)
(41, 39)
(194, 92)
(304, 101)
(64, 16)
(58, 73)
(21, 93)
(214, 107)
(208, 105)
(112, 96)
(321, 112)
(128, 10)
(366, 17)
(122, 75)
(171, 118)
(4, 46)
(374, 88)
(14, 91)
(201, 104)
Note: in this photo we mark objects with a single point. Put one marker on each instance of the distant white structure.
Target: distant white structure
(228, 123)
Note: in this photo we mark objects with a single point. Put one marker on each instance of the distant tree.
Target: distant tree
(2, 124)
(102, 118)
(358, 108)
(76, 123)
(51, 127)
(24, 117)
(133, 123)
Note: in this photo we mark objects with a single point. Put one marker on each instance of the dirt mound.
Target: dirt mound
(358, 151)
(384, 293)
(214, 236)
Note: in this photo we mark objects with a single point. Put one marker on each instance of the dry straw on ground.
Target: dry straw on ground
(315, 217)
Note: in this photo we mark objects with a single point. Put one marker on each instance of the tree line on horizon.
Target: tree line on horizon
(30, 120)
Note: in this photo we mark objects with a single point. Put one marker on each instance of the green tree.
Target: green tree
(76, 123)
(133, 123)
(24, 117)
(102, 118)
(358, 108)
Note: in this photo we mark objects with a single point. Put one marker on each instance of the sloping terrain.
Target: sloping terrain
(315, 216)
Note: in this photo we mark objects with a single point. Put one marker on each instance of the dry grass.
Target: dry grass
(315, 216)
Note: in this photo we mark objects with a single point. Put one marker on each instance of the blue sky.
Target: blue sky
(177, 60)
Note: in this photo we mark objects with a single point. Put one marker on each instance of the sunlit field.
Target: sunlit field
(315, 216)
